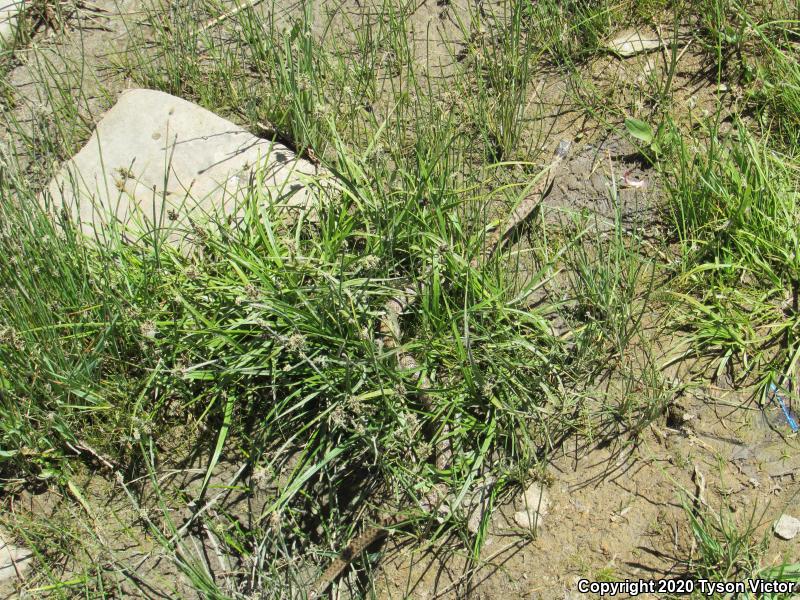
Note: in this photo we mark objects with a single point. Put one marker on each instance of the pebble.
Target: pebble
(630, 43)
(536, 498)
(475, 519)
(536, 503)
(477, 504)
(527, 519)
(787, 527)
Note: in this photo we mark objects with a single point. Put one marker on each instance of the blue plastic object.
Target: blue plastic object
(786, 412)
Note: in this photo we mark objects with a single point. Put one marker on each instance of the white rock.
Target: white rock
(631, 42)
(536, 499)
(535, 505)
(9, 13)
(149, 138)
(787, 527)
(475, 519)
(10, 557)
(476, 504)
(528, 519)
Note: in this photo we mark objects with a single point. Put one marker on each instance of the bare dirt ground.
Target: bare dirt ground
(617, 505)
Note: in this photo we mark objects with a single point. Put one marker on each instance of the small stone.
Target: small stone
(536, 499)
(527, 520)
(787, 527)
(630, 43)
(476, 504)
(535, 504)
(11, 557)
(475, 519)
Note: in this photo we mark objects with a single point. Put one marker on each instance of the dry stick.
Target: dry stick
(526, 207)
(83, 448)
(225, 16)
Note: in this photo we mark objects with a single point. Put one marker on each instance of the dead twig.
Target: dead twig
(700, 488)
(225, 16)
(82, 447)
(527, 206)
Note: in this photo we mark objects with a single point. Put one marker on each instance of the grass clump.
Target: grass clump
(738, 221)
(732, 199)
(731, 548)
